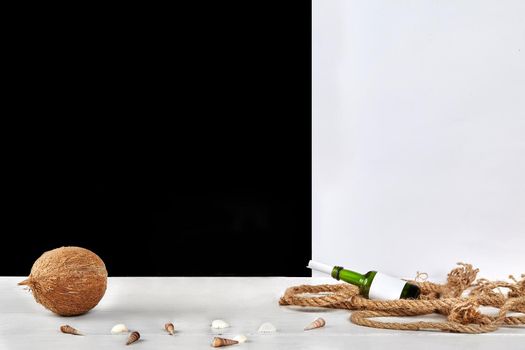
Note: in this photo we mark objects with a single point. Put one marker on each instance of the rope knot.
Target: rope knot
(459, 279)
(519, 287)
(466, 312)
(513, 304)
(486, 288)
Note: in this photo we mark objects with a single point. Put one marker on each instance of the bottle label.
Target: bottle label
(384, 287)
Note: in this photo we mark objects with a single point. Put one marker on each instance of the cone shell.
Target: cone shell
(133, 337)
(218, 342)
(69, 330)
(318, 323)
(169, 328)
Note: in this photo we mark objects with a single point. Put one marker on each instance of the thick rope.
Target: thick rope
(447, 299)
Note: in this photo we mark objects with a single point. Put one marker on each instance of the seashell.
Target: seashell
(318, 323)
(267, 327)
(240, 338)
(169, 328)
(218, 342)
(219, 324)
(69, 330)
(119, 328)
(133, 337)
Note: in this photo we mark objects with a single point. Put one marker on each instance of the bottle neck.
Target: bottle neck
(355, 278)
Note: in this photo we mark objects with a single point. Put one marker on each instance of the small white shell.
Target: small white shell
(241, 338)
(267, 327)
(219, 324)
(119, 328)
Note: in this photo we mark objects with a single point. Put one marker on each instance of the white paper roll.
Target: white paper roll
(317, 266)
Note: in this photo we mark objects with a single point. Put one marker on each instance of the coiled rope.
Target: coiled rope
(462, 312)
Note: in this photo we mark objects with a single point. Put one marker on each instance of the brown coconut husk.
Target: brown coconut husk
(68, 281)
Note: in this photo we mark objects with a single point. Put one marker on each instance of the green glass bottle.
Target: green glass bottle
(373, 284)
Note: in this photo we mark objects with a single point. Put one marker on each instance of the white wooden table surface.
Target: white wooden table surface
(145, 304)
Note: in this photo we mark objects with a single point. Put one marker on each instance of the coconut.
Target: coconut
(68, 281)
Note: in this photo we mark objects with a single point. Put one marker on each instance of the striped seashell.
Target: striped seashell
(318, 323)
(169, 328)
(69, 330)
(133, 337)
(218, 342)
